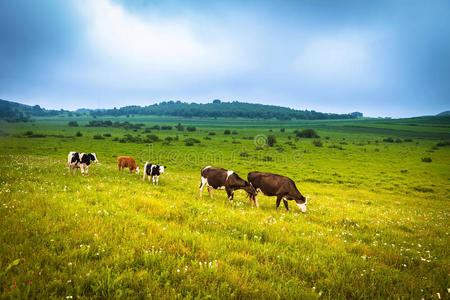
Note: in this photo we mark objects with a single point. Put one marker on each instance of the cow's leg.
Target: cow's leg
(74, 170)
(86, 170)
(154, 180)
(278, 200)
(202, 185)
(157, 180)
(210, 191)
(230, 194)
(255, 200)
(286, 204)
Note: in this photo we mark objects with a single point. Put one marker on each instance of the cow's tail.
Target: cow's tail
(145, 171)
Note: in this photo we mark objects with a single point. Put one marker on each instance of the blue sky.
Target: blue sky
(383, 58)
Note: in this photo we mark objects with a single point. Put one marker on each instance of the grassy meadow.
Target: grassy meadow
(377, 224)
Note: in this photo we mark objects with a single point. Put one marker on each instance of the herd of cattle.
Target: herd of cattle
(214, 178)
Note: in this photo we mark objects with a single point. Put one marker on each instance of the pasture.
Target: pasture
(377, 224)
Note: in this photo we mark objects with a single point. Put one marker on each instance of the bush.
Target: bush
(267, 158)
(152, 138)
(98, 137)
(388, 140)
(227, 131)
(191, 128)
(444, 143)
(408, 140)
(234, 132)
(317, 143)
(271, 140)
(166, 127)
(398, 140)
(28, 133)
(307, 133)
(244, 154)
(179, 127)
(148, 130)
(73, 124)
(169, 138)
(107, 134)
(156, 127)
(212, 133)
(78, 134)
(191, 142)
(206, 138)
(426, 159)
(282, 129)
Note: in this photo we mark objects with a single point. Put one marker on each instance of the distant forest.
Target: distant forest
(15, 112)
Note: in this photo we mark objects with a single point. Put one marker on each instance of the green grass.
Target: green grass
(376, 226)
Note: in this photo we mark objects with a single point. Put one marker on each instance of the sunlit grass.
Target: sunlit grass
(372, 230)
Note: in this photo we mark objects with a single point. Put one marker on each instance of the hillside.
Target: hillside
(14, 112)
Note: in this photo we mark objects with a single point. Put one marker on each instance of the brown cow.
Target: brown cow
(276, 185)
(127, 162)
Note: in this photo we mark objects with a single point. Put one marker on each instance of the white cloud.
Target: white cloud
(154, 47)
(337, 59)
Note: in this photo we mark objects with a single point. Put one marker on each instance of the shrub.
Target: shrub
(426, 159)
(282, 129)
(227, 131)
(234, 132)
(408, 140)
(78, 134)
(73, 124)
(317, 143)
(244, 154)
(166, 127)
(191, 128)
(148, 130)
(206, 138)
(152, 138)
(271, 140)
(191, 141)
(211, 133)
(444, 143)
(398, 140)
(388, 140)
(307, 133)
(98, 137)
(169, 138)
(179, 127)
(267, 158)
(107, 134)
(156, 127)
(28, 133)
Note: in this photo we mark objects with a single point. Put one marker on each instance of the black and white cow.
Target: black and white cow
(81, 161)
(153, 171)
(221, 179)
(276, 185)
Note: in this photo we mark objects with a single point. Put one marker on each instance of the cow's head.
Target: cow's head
(161, 169)
(248, 187)
(93, 157)
(301, 203)
(137, 170)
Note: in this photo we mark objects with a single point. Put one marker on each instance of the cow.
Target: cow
(80, 161)
(153, 171)
(127, 162)
(221, 179)
(276, 185)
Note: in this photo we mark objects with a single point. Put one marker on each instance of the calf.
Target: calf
(80, 161)
(276, 185)
(153, 171)
(221, 179)
(127, 162)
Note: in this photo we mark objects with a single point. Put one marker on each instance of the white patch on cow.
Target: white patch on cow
(95, 157)
(302, 207)
(221, 188)
(161, 169)
(229, 172)
(206, 167)
(145, 171)
(137, 170)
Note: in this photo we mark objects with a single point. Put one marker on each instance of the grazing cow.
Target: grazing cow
(81, 161)
(153, 171)
(276, 185)
(127, 162)
(221, 179)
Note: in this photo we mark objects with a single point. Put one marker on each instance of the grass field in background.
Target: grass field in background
(377, 224)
